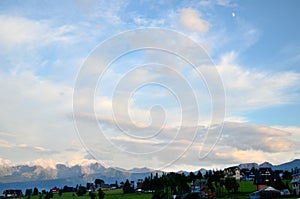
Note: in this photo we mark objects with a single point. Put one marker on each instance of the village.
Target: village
(143, 99)
(231, 182)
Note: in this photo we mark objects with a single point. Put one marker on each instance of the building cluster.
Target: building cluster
(264, 178)
(13, 193)
(296, 182)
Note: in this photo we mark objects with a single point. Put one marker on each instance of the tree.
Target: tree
(81, 191)
(160, 195)
(181, 182)
(236, 187)
(99, 182)
(278, 184)
(127, 188)
(146, 186)
(231, 184)
(28, 192)
(210, 185)
(192, 196)
(92, 195)
(47, 195)
(101, 194)
(60, 192)
(50, 194)
(35, 191)
(287, 175)
(199, 175)
(287, 185)
(192, 176)
(218, 175)
(253, 170)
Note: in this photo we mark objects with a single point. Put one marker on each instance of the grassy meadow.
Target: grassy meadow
(111, 194)
(245, 188)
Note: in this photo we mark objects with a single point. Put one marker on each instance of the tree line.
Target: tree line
(166, 184)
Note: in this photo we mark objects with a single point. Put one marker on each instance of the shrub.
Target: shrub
(81, 191)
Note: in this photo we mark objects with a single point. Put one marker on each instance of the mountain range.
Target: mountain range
(288, 166)
(25, 176)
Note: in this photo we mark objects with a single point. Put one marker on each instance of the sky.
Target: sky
(172, 85)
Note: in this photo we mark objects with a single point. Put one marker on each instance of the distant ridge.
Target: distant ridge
(60, 175)
(288, 166)
(266, 165)
(248, 166)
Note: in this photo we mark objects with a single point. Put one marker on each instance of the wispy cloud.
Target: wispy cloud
(191, 19)
(225, 3)
(250, 89)
(17, 31)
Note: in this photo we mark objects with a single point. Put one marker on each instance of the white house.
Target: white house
(233, 172)
(296, 183)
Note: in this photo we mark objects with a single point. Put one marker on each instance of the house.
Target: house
(139, 185)
(296, 183)
(105, 187)
(113, 186)
(247, 174)
(54, 190)
(251, 176)
(13, 193)
(266, 192)
(90, 186)
(132, 184)
(234, 172)
(263, 178)
(285, 192)
(198, 185)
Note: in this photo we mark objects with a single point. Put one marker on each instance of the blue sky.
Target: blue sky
(255, 48)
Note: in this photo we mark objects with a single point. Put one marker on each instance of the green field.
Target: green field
(111, 194)
(245, 188)
(118, 193)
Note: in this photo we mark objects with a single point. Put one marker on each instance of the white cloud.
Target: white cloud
(82, 162)
(255, 137)
(190, 18)
(236, 156)
(240, 142)
(294, 134)
(225, 3)
(244, 143)
(250, 89)
(16, 31)
(45, 163)
(34, 113)
(238, 119)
